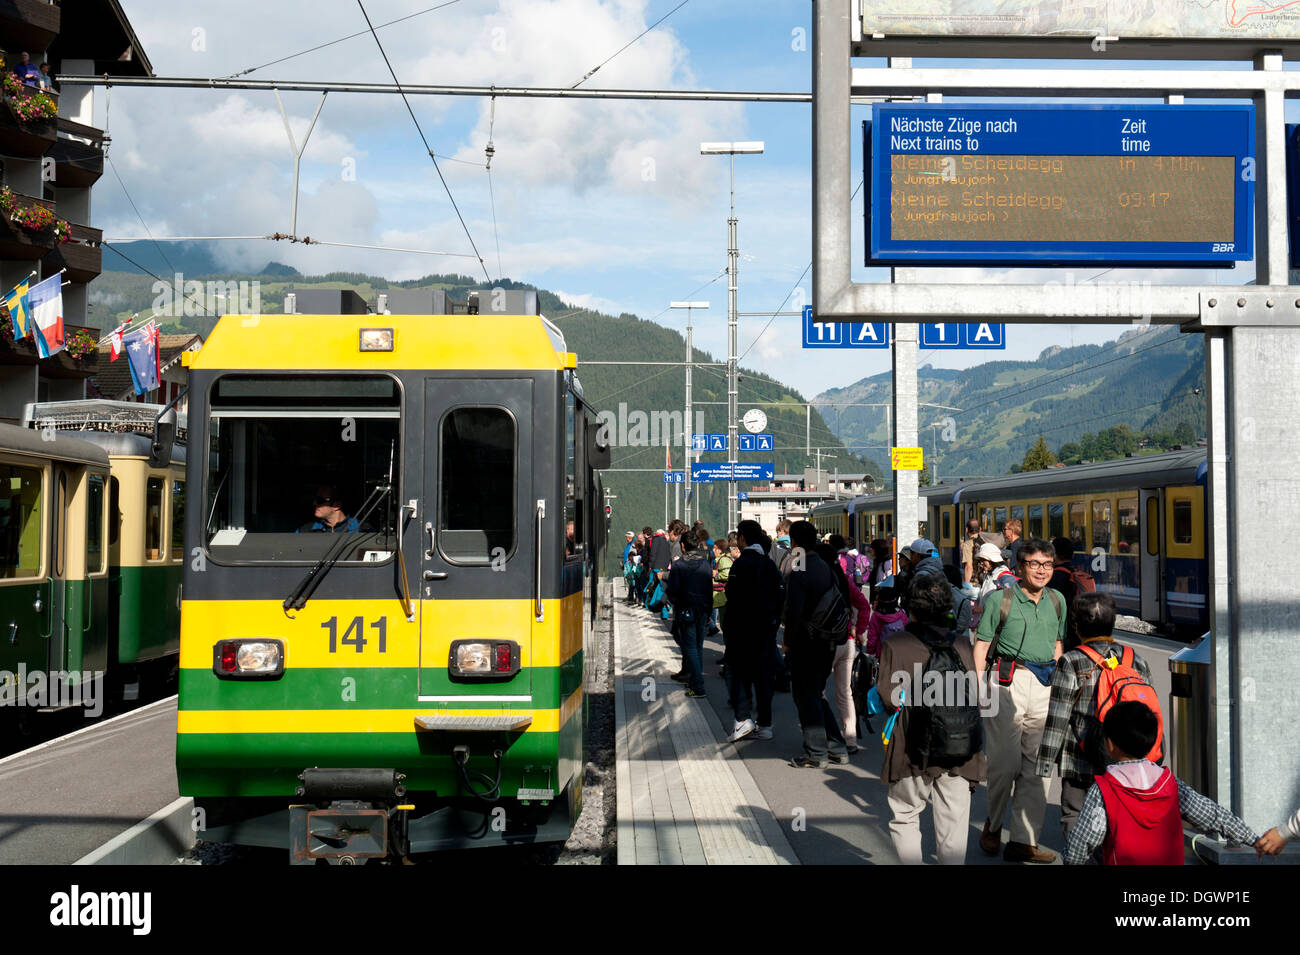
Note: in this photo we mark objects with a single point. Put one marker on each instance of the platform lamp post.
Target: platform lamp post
(688, 430)
(733, 255)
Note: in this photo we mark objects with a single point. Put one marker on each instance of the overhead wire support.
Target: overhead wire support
(423, 139)
(525, 92)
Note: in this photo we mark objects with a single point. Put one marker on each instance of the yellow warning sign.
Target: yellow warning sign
(906, 459)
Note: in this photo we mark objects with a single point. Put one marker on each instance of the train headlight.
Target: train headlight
(483, 659)
(376, 339)
(248, 659)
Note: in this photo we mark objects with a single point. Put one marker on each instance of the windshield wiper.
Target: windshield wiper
(307, 586)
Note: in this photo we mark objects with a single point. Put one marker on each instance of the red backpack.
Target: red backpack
(1083, 580)
(1119, 682)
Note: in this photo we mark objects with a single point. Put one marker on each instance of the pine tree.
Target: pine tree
(1039, 457)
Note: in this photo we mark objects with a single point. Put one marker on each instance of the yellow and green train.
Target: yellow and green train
(388, 608)
(90, 553)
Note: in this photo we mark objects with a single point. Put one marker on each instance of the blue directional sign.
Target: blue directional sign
(699, 442)
(958, 335)
(1049, 184)
(674, 477)
(708, 471)
(763, 442)
(843, 334)
(717, 442)
(742, 495)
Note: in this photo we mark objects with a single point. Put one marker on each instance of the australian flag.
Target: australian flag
(142, 356)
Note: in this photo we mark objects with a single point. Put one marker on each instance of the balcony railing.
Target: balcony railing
(82, 256)
(78, 154)
(17, 242)
(29, 24)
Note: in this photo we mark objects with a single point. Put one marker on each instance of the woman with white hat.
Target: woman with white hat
(992, 572)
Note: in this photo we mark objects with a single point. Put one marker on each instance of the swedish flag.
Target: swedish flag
(16, 302)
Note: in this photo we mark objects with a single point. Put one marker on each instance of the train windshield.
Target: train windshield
(296, 462)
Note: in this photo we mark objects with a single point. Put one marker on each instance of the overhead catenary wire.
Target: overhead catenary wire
(350, 36)
(136, 210)
(423, 139)
(586, 76)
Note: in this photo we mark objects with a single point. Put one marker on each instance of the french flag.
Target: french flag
(45, 315)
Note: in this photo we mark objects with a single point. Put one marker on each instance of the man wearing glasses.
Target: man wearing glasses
(329, 516)
(1020, 636)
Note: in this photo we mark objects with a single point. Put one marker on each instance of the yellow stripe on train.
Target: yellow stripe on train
(429, 342)
(306, 636)
(355, 721)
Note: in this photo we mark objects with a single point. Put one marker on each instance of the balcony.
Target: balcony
(17, 242)
(81, 257)
(78, 153)
(28, 24)
(25, 140)
(61, 365)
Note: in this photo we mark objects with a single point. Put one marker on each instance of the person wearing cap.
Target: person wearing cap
(1021, 634)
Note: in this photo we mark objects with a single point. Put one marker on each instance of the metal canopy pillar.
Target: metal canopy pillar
(1252, 339)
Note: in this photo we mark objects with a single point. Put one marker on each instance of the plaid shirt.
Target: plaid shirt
(1205, 814)
(1070, 710)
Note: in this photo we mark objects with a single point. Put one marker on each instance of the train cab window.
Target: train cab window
(1078, 526)
(95, 524)
(1055, 520)
(476, 514)
(1101, 525)
(1129, 533)
(1034, 525)
(153, 504)
(178, 520)
(1182, 521)
(298, 460)
(21, 515)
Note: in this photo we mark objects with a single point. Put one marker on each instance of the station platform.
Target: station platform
(61, 800)
(685, 795)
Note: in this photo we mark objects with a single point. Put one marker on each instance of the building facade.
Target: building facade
(51, 156)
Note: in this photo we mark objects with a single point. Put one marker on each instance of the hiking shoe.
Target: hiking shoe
(839, 759)
(991, 840)
(1023, 852)
(807, 762)
(679, 676)
(763, 732)
(695, 694)
(854, 750)
(742, 729)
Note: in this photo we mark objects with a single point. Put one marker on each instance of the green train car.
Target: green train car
(387, 622)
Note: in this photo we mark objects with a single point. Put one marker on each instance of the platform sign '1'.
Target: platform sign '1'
(1046, 185)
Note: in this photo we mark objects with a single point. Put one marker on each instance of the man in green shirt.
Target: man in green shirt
(1021, 653)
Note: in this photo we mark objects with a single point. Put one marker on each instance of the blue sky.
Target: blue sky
(608, 203)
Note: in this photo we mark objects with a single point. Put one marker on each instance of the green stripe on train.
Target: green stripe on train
(373, 688)
(149, 619)
(268, 764)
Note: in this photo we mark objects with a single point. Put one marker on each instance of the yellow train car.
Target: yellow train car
(388, 612)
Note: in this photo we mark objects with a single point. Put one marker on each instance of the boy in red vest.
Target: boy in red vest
(1134, 811)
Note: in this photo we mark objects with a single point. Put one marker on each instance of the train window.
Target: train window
(153, 497)
(1182, 521)
(1055, 520)
(1018, 514)
(178, 520)
(1128, 530)
(945, 525)
(20, 521)
(61, 524)
(95, 524)
(1153, 526)
(1101, 525)
(924, 528)
(986, 519)
(476, 517)
(1035, 526)
(571, 542)
(1078, 526)
(296, 461)
(999, 517)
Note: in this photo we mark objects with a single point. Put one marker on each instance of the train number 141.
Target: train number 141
(355, 633)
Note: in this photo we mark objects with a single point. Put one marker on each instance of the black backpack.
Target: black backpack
(831, 618)
(944, 735)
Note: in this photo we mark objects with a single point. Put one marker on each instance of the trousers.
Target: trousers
(1011, 738)
(949, 798)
